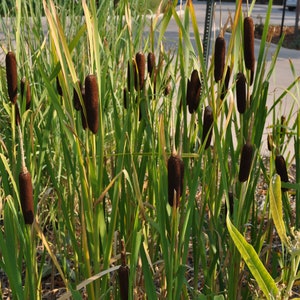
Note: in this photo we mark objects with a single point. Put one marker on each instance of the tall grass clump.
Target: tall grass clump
(94, 200)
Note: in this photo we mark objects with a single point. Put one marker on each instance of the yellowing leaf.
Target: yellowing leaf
(276, 209)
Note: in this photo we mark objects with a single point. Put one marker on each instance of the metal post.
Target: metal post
(207, 28)
(282, 19)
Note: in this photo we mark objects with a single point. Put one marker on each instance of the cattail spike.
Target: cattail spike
(281, 169)
(208, 120)
(140, 71)
(241, 92)
(123, 273)
(193, 92)
(226, 83)
(219, 58)
(26, 196)
(76, 99)
(58, 87)
(91, 101)
(249, 55)
(26, 92)
(246, 161)
(175, 179)
(151, 63)
(270, 142)
(11, 76)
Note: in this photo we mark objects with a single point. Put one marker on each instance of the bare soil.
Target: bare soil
(291, 39)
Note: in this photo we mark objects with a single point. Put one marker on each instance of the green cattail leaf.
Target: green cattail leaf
(276, 208)
(9, 250)
(264, 280)
(148, 275)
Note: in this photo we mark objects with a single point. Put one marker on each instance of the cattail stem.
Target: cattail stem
(23, 164)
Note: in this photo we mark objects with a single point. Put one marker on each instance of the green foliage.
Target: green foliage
(93, 190)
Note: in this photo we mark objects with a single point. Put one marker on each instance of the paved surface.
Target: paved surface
(282, 77)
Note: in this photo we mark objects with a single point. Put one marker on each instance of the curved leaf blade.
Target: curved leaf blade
(259, 272)
(276, 208)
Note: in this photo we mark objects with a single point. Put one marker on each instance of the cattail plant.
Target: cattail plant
(151, 63)
(91, 100)
(139, 71)
(246, 161)
(249, 55)
(175, 179)
(83, 120)
(26, 92)
(58, 87)
(281, 169)
(226, 83)
(11, 76)
(208, 120)
(152, 71)
(25, 186)
(125, 98)
(76, 99)
(241, 97)
(123, 273)
(193, 92)
(270, 142)
(219, 58)
(26, 195)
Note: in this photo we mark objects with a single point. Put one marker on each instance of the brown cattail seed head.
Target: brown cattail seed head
(226, 83)
(281, 169)
(270, 142)
(125, 98)
(139, 71)
(219, 58)
(175, 179)
(76, 99)
(58, 87)
(26, 92)
(123, 273)
(193, 92)
(208, 120)
(26, 196)
(241, 92)
(246, 161)
(11, 76)
(151, 63)
(249, 46)
(91, 100)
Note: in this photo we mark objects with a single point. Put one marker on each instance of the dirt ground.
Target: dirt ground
(291, 40)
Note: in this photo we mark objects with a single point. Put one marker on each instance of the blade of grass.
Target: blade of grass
(276, 209)
(261, 275)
